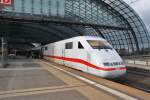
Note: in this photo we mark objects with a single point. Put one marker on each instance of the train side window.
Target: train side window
(46, 48)
(69, 45)
(80, 46)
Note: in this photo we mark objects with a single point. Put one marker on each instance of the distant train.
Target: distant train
(89, 54)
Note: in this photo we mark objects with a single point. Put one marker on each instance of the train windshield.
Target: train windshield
(96, 44)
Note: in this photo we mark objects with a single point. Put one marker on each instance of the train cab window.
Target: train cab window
(96, 44)
(46, 48)
(80, 46)
(69, 45)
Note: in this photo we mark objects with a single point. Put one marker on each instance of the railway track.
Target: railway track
(132, 79)
(136, 79)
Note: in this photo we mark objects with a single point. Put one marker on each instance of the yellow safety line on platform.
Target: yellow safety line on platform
(36, 89)
(19, 69)
(33, 92)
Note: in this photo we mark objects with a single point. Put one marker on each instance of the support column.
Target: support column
(4, 61)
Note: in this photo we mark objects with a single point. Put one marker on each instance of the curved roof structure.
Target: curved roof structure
(45, 21)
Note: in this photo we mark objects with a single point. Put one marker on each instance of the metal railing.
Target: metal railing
(143, 60)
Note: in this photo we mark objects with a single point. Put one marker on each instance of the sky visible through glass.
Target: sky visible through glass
(142, 7)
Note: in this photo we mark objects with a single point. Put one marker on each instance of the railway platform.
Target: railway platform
(139, 63)
(31, 79)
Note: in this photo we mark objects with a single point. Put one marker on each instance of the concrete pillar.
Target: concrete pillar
(4, 60)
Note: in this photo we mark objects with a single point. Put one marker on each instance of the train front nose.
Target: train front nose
(117, 72)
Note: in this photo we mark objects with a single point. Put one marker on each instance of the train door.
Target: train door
(63, 55)
(88, 60)
(68, 51)
(81, 53)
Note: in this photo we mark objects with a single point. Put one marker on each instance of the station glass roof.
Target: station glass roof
(46, 21)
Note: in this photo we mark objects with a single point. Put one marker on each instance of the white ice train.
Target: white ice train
(89, 54)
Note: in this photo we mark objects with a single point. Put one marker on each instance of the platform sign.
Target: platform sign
(6, 2)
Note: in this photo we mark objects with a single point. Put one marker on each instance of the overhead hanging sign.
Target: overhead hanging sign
(6, 2)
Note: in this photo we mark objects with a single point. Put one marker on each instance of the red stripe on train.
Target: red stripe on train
(85, 63)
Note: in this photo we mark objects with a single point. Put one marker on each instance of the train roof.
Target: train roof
(86, 38)
(83, 37)
(90, 37)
